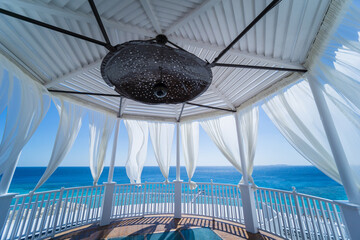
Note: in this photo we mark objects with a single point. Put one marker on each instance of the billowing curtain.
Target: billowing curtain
(249, 122)
(69, 126)
(294, 113)
(162, 135)
(138, 133)
(5, 88)
(190, 145)
(338, 74)
(27, 103)
(223, 133)
(101, 126)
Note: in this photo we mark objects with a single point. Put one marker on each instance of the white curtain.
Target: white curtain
(338, 74)
(138, 133)
(162, 135)
(223, 133)
(101, 126)
(5, 88)
(294, 113)
(69, 126)
(27, 103)
(190, 146)
(249, 122)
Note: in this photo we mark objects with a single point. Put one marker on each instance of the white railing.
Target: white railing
(41, 215)
(298, 216)
(287, 214)
(221, 201)
(133, 200)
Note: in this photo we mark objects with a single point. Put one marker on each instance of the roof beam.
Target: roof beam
(74, 73)
(211, 107)
(100, 23)
(151, 15)
(257, 67)
(21, 65)
(207, 46)
(85, 93)
(51, 27)
(243, 54)
(67, 13)
(120, 105)
(180, 113)
(124, 104)
(222, 96)
(248, 27)
(196, 12)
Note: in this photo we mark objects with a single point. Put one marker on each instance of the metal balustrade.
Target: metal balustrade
(290, 215)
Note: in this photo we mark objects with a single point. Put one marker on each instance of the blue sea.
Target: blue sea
(306, 179)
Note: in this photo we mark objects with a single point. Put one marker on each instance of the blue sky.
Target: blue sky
(272, 148)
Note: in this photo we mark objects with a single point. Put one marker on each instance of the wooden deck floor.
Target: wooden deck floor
(157, 224)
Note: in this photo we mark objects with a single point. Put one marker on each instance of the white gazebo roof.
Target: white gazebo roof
(282, 38)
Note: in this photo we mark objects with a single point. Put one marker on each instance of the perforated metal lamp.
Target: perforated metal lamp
(152, 72)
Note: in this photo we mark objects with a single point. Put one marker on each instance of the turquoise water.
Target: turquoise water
(191, 233)
(306, 179)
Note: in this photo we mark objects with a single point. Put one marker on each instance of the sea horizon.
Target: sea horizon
(306, 179)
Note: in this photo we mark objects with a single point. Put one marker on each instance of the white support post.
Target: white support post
(212, 199)
(345, 172)
(107, 203)
(351, 216)
(246, 190)
(351, 209)
(144, 200)
(113, 154)
(178, 181)
(241, 149)
(5, 201)
(177, 203)
(177, 151)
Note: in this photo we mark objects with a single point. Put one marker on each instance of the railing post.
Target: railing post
(212, 199)
(5, 201)
(249, 208)
(144, 200)
(107, 203)
(177, 200)
(298, 213)
(57, 210)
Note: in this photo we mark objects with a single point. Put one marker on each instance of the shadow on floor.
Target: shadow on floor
(134, 228)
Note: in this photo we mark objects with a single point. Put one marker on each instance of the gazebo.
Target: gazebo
(203, 63)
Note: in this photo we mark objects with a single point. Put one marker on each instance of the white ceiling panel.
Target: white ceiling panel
(282, 38)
